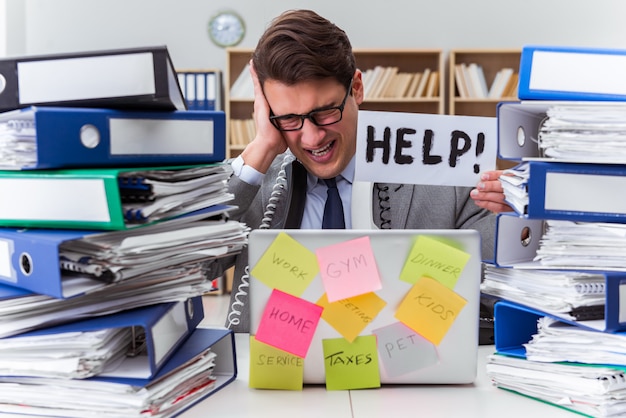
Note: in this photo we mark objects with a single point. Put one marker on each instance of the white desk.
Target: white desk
(479, 400)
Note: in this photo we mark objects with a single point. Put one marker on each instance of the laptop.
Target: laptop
(425, 329)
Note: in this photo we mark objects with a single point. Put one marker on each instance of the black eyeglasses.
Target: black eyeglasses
(320, 117)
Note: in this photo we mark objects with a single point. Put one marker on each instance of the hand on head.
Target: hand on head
(489, 194)
(268, 141)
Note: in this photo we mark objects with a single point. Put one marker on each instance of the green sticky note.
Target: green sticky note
(271, 368)
(351, 365)
(435, 259)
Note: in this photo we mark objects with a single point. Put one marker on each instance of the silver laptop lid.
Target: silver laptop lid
(424, 329)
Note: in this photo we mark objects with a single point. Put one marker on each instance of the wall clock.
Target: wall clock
(226, 28)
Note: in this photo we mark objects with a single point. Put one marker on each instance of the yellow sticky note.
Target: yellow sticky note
(434, 258)
(351, 365)
(271, 368)
(286, 265)
(350, 316)
(430, 309)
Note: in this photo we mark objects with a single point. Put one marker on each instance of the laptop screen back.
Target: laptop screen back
(411, 297)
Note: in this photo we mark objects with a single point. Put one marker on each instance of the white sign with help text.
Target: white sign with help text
(415, 148)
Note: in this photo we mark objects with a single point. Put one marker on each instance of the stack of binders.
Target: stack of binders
(560, 264)
(113, 224)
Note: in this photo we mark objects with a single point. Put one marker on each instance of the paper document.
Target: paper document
(152, 195)
(593, 132)
(122, 255)
(164, 397)
(583, 245)
(170, 284)
(591, 390)
(64, 355)
(557, 341)
(514, 183)
(574, 295)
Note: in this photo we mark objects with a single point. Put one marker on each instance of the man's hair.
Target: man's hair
(301, 45)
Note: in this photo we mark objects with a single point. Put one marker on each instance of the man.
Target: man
(307, 95)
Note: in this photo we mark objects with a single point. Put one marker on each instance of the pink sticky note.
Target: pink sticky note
(348, 269)
(288, 323)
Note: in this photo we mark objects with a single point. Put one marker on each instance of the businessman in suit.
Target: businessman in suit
(307, 95)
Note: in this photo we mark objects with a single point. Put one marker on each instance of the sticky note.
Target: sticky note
(430, 309)
(350, 316)
(271, 368)
(351, 365)
(286, 265)
(288, 323)
(434, 258)
(348, 269)
(402, 351)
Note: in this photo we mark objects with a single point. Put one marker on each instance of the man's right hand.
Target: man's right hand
(268, 141)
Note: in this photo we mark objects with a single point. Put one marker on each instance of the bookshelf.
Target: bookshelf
(410, 62)
(238, 107)
(239, 101)
(491, 61)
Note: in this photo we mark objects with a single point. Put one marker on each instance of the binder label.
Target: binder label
(161, 137)
(168, 331)
(54, 199)
(570, 72)
(6, 267)
(593, 193)
(67, 79)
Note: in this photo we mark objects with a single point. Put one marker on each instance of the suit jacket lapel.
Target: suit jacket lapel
(297, 196)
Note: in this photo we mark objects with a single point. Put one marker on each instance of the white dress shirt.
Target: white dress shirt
(315, 194)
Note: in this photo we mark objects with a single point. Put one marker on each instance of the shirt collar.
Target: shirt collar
(347, 174)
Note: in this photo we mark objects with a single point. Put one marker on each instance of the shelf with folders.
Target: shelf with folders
(201, 88)
(406, 65)
(481, 78)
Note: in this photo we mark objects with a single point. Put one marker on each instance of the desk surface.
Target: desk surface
(480, 399)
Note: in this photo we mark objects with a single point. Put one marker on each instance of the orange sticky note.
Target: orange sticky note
(271, 368)
(430, 309)
(350, 316)
(288, 323)
(348, 269)
(434, 258)
(286, 265)
(351, 365)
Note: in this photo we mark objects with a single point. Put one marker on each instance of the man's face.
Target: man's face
(325, 151)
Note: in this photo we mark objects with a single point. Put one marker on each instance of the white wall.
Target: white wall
(45, 26)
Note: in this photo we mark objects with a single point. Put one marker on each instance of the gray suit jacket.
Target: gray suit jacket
(394, 206)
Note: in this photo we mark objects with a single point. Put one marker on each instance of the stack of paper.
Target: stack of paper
(593, 390)
(572, 294)
(152, 195)
(585, 131)
(122, 255)
(117, 226)
(557, 341)
(583, 245)
(560, 264)
(514, 183)
(202, 365)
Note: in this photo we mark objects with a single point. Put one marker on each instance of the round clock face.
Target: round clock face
(226, 29)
